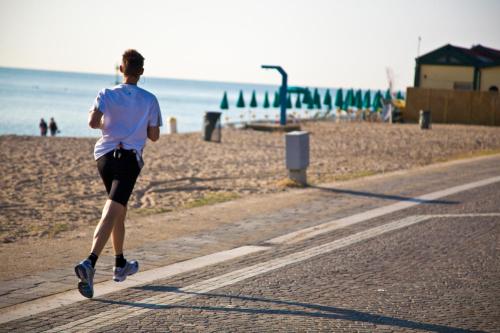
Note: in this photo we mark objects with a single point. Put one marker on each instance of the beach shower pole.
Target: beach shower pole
(283, 91)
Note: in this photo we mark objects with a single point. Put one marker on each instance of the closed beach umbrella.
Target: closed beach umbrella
(298, 103)
(307, 96)
(353, 98)
(328, 99)
(266, 104)
(377, 102)
(367, 100)
(400, 95)
(224, 104)
(241, 102)
(276, 102)
(310, 104)
(348, 99)
(359, 99)
(317, 99)
(253, 101)
(339, 98)
(289, 102)
(345, 106)
(388, 95)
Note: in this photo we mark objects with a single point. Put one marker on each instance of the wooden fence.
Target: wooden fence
(453, 106)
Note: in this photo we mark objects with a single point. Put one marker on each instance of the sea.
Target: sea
(28, 95)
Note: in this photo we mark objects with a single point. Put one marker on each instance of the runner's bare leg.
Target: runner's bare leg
(118, 233)
(111, 214)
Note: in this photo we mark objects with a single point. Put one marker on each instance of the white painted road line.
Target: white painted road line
(133, 309)
(314, 231)
(100, 289)
(468, 215)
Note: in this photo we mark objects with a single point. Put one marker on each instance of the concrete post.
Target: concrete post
(297, 155)
(172, 122)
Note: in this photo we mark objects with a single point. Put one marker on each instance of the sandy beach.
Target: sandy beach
(50, 186)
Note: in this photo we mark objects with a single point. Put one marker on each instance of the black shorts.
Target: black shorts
(119, 171)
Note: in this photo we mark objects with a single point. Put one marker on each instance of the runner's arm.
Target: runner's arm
(153, 133)
(95, 119)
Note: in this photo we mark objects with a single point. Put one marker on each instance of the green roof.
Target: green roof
(477, 56)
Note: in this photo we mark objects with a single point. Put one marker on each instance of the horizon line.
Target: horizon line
(186, 79)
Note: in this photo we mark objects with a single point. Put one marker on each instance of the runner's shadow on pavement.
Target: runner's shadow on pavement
(383, 196)
(319, 311)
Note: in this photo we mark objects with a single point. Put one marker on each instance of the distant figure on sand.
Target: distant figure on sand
(43, 127)
(52, 127)
(127, 116)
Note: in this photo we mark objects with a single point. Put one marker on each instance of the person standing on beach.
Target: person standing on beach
(52, 127)
(127, 116)
(43, 127)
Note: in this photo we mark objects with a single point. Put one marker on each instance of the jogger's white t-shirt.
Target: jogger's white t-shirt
(127, 111)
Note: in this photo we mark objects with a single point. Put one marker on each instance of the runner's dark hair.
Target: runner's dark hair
(132, 62)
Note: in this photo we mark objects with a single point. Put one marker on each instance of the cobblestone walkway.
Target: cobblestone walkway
(431, 267)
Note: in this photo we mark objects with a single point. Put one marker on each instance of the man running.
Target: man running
(127, 115)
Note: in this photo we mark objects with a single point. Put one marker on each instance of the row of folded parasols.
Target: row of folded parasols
(312, 100)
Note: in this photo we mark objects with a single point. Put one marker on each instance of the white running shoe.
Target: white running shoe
(85, 272)
(121, 273)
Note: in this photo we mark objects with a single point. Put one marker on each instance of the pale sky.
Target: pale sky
(323, 43)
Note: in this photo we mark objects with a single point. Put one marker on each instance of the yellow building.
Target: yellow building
(458, 68)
